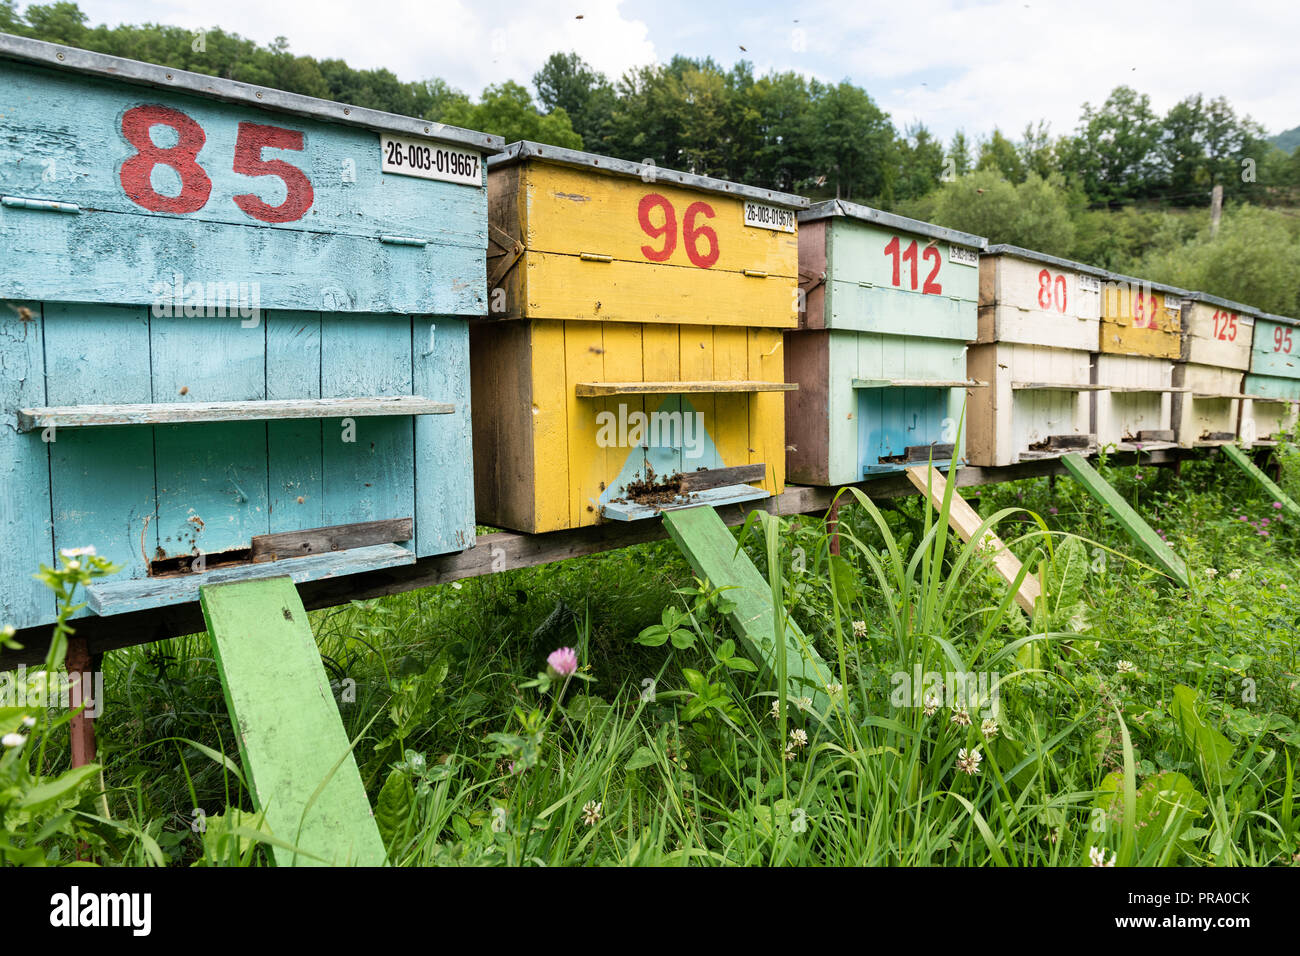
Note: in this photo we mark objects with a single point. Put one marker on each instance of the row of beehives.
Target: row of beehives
(237, 317)
(1062, 356)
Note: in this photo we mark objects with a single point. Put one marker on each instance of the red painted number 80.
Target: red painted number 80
(136, 173)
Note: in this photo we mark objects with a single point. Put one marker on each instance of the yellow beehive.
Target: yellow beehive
(1141, 337)
(633, 358)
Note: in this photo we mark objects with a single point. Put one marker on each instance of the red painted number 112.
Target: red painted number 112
(908, 255)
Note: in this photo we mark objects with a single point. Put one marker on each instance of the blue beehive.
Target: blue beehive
(233, 331)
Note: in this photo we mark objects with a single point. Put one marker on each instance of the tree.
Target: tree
(507, 109)
(1114, 151)
(921, 163)
(566, 82)
(1032, 214)
(959, 152)
(853, 139)
(999, 154)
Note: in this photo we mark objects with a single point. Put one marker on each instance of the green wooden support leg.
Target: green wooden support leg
(296, 754)
(1242, 461)
(710, 549)
(1130, 520)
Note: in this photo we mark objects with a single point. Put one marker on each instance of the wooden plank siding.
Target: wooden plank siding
(1039, 323)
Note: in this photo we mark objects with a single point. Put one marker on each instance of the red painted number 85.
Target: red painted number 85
(137, 172)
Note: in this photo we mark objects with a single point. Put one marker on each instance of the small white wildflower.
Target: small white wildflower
(989, 728)
(87, 551)
(961, 716)
(1234, 574)
(789, 752)
(859, 629)
(931, 704)
(29, 722)
(1097, 857)
(9, 630)
(1211, 572)
(968, 761)
(591, 811)
(776, 707)
(74, 565)
(498, 819)
(1126, 667)
(13, 740)
(798, 738)
(834, 689)
(805, 703)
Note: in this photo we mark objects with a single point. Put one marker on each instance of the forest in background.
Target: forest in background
(1127, 189)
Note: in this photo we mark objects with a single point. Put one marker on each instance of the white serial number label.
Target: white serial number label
(428, 160)
(1173, 305)
(769, 217)
(1089, 284)
(967, 257)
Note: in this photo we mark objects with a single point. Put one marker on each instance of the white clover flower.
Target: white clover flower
(1234, 574)
(1097, 857)
(29, 722)
(798, 738)
(789, 752)
(859, 629)
(1211, 572)
(591, 811)
(989, 728)
(776, 707)
(968, 761)
(834, 689)
(960, 716)
(931, 704)
(13, 740)
(1126, 667)
(805, 703)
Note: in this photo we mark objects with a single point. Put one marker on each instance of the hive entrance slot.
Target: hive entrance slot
(913, 454)
(184, 564)
(1060, 442)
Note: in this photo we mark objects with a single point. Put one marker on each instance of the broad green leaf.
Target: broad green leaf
(393, 811)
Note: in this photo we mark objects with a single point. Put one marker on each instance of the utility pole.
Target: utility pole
(1216, 210)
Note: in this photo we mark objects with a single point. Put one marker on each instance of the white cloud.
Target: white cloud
(469, 44)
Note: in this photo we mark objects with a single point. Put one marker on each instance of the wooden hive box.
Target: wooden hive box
(1039, 322)
(1213, 362)
(1273, 381)
(226, 319)
(880, 353)
(1141, 339)
(632, 358)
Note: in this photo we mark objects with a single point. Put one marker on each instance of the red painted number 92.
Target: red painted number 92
(183, 157)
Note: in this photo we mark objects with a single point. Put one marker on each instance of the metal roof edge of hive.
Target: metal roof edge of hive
(1147, 284)
(138, 72)
(842, 207)
(1274, 317)
(1225, 303)
(1019, 252)
(525, 149)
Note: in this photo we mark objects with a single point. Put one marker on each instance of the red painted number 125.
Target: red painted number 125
(1225, 326)
(251, 139)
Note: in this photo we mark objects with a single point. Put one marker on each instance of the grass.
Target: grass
(1128, 723)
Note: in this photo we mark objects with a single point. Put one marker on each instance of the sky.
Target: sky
(950, 64)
